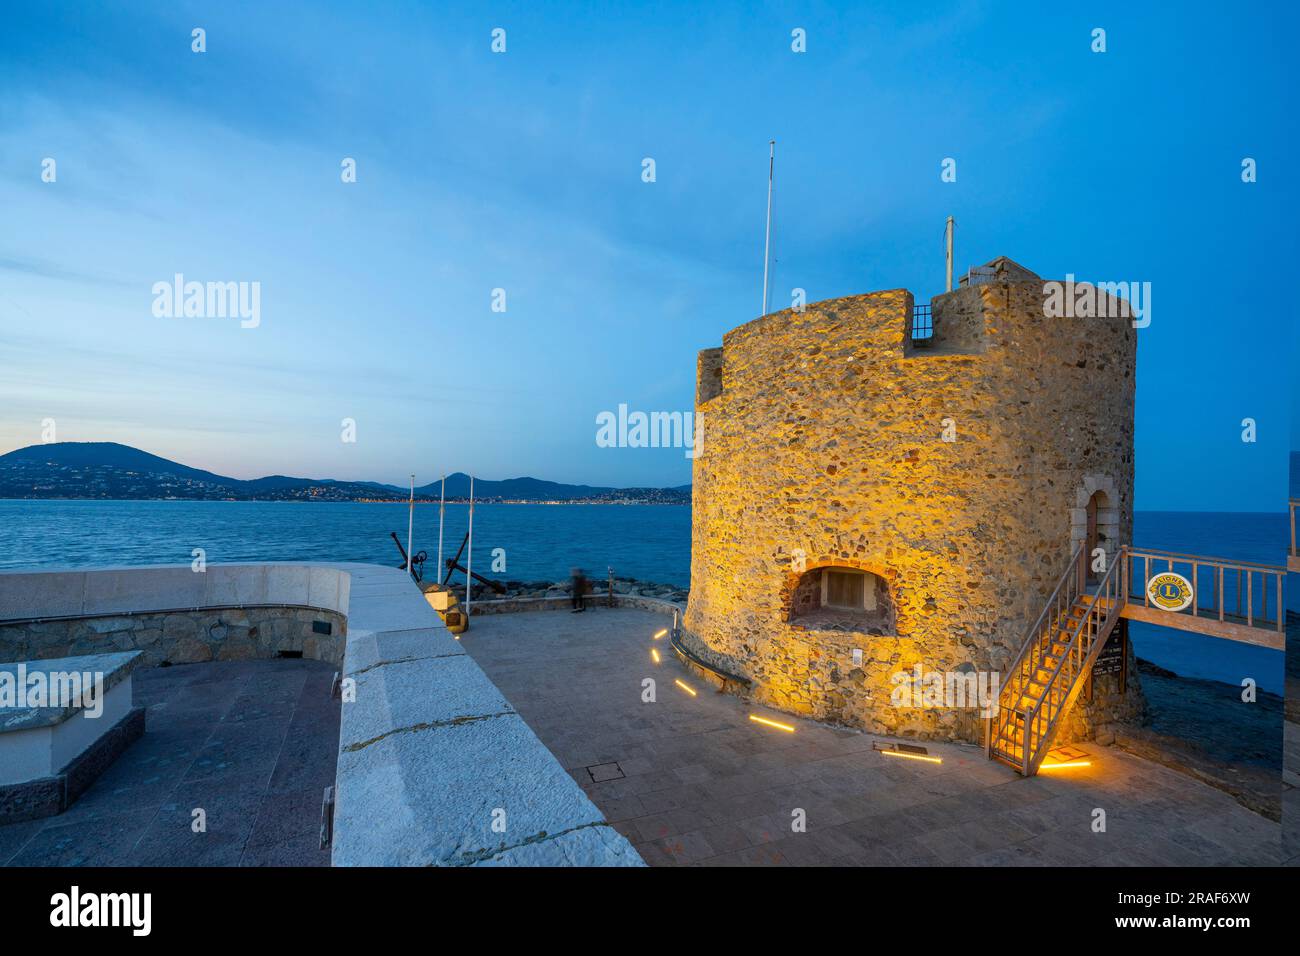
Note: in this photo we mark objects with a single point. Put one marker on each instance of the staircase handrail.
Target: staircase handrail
(1071, 572)
(1031, 639)
(1111, 612)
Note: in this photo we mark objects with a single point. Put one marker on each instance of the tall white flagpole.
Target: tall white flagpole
(442, 505)
(410, 526)
(767, 240)
(469, 561)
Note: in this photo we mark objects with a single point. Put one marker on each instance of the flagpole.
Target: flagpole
(767, 240)
(442, 504)
(469, 561)
(410, 526)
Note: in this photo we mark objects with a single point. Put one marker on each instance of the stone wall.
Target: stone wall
(182, 637)
(824, 448)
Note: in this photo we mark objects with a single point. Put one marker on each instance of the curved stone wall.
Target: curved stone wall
(825, 445)
(183, 636)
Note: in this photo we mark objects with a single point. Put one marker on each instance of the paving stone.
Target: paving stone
(99, 841)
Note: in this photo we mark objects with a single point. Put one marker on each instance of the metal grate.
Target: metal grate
(922, 327)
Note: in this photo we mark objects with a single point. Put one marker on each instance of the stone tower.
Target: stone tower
(868, 501)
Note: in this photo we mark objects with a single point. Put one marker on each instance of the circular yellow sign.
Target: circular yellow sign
(1169, 591)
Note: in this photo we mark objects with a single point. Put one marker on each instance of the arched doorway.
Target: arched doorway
(1094, 523)
(1091, 535)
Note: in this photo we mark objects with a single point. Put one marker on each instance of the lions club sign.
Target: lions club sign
(1169, 591)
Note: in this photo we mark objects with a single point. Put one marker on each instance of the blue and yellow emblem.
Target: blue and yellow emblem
(1169, 591)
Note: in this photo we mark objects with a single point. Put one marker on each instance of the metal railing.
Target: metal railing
(1065, 682)
(1033, 651)
(1240, 592)
(922, 332)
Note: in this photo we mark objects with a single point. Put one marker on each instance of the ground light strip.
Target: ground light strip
(1066, 764)
(654, 655)
(770, 723)
(684, 687)
(661, 633)
(899, 753)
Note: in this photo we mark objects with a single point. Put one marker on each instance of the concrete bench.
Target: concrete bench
(62, 721)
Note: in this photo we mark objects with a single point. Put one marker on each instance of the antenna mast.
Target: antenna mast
(948, 243)
(410, 524)
(442, 506)
(469, 560)
(767, 241)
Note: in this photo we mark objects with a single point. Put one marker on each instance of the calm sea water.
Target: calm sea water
(541, 542)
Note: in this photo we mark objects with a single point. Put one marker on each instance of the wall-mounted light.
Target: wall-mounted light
(770, 723)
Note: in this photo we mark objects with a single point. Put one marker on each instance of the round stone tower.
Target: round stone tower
(873, 504)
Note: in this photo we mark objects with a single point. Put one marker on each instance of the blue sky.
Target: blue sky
(522, 171)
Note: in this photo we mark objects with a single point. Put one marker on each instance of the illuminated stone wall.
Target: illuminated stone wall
(826, 437)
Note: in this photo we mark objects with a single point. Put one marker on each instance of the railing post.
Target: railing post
(1281, 609)
(1293, 507)
(1024, 743)
(1250, 599)
(1221, 608)
(1123, 571)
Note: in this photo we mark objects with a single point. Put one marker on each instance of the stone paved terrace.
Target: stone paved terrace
(697, 783)
(253, 743)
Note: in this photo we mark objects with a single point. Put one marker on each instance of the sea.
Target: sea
(529, 542)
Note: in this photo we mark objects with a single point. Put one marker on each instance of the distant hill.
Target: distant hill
(111, 470)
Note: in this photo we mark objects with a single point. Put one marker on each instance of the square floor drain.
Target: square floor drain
(605, 771)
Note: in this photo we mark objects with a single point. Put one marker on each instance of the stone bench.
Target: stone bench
(62, 722)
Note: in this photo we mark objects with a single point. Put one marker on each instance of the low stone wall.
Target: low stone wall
(436, 768)
(182, 637)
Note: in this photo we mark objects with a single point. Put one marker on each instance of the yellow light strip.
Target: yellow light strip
(770, 723)
(1068, 763)
(899, 753)
(684, 687)
(654, 655)
(661, 633)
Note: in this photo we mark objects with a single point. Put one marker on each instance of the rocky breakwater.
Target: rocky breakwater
(596, 590)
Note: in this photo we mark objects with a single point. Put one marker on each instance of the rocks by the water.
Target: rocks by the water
(1204, 728)
(597, 588)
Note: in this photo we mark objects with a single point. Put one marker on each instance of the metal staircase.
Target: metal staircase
(1058, 654)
